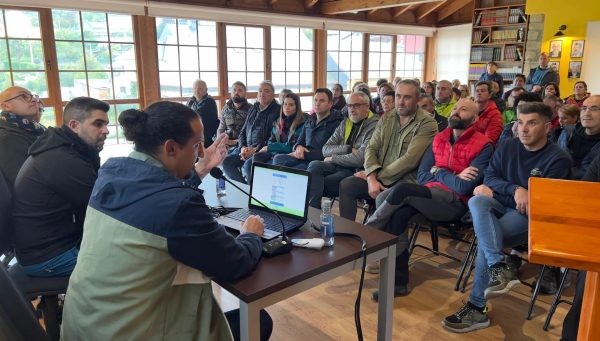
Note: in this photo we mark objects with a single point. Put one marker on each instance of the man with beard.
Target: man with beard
(54, 186)
(449, 171)
(234, 114)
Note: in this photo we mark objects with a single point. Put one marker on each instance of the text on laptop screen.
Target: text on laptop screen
(280, 191)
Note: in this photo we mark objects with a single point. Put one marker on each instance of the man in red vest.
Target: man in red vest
(449, 171)
(490, 118)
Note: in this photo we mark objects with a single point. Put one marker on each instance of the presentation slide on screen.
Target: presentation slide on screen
(282, 192)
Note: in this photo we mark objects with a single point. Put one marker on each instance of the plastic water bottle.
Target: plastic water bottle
(327, 224)
(220, 187)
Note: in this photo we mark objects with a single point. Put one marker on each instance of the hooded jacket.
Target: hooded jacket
(490, 122)
(14, 143)
(51, 193)
(315, 135)
(565, 139)
(206, 107)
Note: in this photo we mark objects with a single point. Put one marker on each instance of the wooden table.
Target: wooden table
(278, 278)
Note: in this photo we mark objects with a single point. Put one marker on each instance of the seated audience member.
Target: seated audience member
(202, 103)
(580, 94)
(541, 75)
(510, 130)
(388, 102)
(54, 186)
(286, 130)
(396, 81)
(449, 171)
(582, 140)
(339, 101)
(500, 210)
(554, 103)
(552, 89)
(18, 129)
(383, 89)
(500, 103)
(234, 114)
(518, 81)
(509, 115)
(464, 91)
(491, 75)
(490, 118)
(444, 102)
(568, 114)
(426, 103)
(455, 83)
(283, 94)
(254, 134)
(429, 89)
(394, 151)
(344, 152)
(317, 130)
(456, 94)
(149, 234)
(378, 84)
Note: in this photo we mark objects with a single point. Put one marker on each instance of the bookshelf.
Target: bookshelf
(499, 34)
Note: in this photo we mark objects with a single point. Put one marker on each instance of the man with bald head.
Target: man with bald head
(444, 101)
(451, 168)
(18, 129)
(202, 103)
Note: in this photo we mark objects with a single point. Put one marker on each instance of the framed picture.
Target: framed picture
(555, 48)
(574, 69)
(555, 66)
(577, 48)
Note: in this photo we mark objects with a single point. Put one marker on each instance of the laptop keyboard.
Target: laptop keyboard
(271, 220)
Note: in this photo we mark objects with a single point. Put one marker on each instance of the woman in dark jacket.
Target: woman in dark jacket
(339, 102)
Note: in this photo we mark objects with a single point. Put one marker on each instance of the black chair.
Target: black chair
(557, 296)
(17, 318)
(6, 249)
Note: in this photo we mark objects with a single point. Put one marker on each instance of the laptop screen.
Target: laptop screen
(282, 191)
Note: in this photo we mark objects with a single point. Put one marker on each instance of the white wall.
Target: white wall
(453, 47)
(591, 66)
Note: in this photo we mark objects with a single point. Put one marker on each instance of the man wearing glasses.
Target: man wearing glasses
(18, 129)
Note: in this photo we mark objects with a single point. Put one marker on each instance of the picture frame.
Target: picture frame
(555, 49)
(577, 48)
(574, 69)
(554, 65)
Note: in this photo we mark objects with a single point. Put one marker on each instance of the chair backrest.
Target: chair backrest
(5, 215)
(17, 320)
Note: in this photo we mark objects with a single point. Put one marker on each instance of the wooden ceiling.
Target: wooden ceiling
(433, 13)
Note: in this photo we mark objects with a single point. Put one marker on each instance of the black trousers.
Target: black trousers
(571, 321)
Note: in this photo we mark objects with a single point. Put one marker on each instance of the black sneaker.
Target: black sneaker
(549, 285)
(502, 280)
(399, 291)
(467, 319)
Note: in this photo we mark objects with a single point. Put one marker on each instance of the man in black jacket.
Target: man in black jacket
(254, 134)
(202, 103)
(53, 188)
(18, 129)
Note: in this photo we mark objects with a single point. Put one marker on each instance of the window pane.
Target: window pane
(278, 60)
(123, 56)
(254, 78)
(237, 76)
(419, 61)
(293, 81)
(374, 61)
(306, 60)
(235, 36)
(292, 38)
(306, 81)
(333, 38)
(94, 26)
(357, 41)
(166, 31)
(208, 59)
(96, 56)
(292, 61)
(168, 58)
(70, 55)
(5, 80)
(355, 76)
(26, 54)
(385, 74)
(332, 78)
(374, 43)
(333, 61)
(22, 24)
(344, 61)
(169, 84)
(278, 79)
(236, 59)
(212, 81)
(385, 61)
(100, 85)
(189, 58)
(188, 32)
(66, 24)
(255, 60)
(34, 81)
(400, 61)
(72, 84)
(277, 37)
(207, 31)
(187, 83)
(386, 43)
(48, 118)
(120, 27)
(126, 85)
(356, 60)
(410, 61)
(306, 39)
(3, 53)
(400, 43)
(345, 40)
(2, 31)
(254, 37)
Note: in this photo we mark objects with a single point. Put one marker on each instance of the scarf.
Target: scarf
(23, 123)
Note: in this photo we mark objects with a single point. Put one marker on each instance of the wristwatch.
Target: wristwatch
(433, 171)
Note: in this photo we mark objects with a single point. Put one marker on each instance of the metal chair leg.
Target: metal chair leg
(556, 300)
(470, 267)
(536, 291)
(413, 239)
(434, 239)
(463, 267)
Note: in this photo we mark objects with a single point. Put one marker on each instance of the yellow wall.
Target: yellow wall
(574, 14)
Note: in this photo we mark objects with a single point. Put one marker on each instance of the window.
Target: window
(187, 51)
(344, 58)
(380, 58)
(292, 52)
(245, 55)
(410, 56)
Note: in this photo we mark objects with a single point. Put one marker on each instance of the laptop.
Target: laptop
(282, 189)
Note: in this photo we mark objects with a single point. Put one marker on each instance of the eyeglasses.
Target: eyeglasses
(26, 97)
(593, 108)
(356, 106)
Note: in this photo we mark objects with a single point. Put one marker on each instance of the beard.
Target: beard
(238, 99)
(456, 122)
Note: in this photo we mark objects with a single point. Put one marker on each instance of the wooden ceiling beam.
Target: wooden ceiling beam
(398, 11)
(349, 6)
(451, 8)
(426, 9)
(310, 3)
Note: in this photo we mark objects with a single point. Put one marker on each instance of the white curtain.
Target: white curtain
(453, 46)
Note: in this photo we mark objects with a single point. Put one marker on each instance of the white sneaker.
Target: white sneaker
(373, 268)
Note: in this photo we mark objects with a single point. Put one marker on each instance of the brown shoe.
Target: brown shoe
(372, 268)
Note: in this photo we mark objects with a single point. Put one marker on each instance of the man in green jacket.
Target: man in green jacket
(394, 151)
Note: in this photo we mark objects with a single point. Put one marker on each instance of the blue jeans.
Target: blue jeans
(496, 227)
(59, 266)
(325, 180)
(233, 167)
(288, 161)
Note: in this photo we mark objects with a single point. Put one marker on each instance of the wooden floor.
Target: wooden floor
(327, 311)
